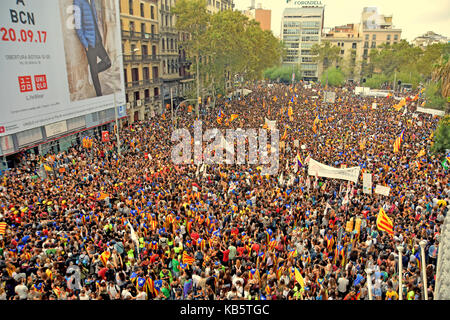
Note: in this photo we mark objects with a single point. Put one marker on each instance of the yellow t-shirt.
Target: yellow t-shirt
(391, 295)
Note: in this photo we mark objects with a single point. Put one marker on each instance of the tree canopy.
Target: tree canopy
(227, 41)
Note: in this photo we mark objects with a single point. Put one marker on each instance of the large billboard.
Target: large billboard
(59, 59)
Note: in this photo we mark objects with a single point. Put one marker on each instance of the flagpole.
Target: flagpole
(422, 244)
(369, 282)
(400, 272)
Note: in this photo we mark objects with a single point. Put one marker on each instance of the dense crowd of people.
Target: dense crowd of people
(102, 227)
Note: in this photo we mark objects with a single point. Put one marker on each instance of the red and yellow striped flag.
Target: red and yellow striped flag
(187, 259)
(398, 142)
(2, 228)
(104, 257)
(384, 223)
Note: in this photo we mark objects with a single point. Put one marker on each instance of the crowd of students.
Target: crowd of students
(102, 227)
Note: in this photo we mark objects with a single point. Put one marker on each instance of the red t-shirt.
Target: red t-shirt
(255, 247)
(240, 251)
(194, 236)
(225, 255)
(102, 273)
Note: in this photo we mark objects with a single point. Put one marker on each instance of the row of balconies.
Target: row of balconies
(143, 83)
(128, 58)
(142, 102)
(137, 35)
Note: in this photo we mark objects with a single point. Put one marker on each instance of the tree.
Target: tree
(442, 136)
(333, 76)
(227, 41)
(326, 54)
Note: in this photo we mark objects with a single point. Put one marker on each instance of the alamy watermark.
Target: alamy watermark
(221, 150)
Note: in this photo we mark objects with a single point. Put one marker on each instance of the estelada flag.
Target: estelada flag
(384, 223)
(2, 228)
(105, 136)
(299, 278)
(101, 196)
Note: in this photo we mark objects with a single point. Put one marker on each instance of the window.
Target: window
(130, 6)
(395, 37)
(142, 9)
(307, 59)
(388, 43)
(310, 38)
(152, 12)
(163, 46)
(310, 24)
(367, 37)
(145, 73)
(307, 45)
(171, 44)
(294, 45)
(144, 50)
(366, 52)
(306, 52)
(143, 27)
(366, 44)
(374, 37)
(132, 26)
(373, 45)
(291, 31)
(354, 45)
(310, 31)
(342, 51)
(153, 29)
(388, 38)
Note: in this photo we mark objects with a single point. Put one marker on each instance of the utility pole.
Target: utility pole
(198, 90)
(171, 104)
(395, 79)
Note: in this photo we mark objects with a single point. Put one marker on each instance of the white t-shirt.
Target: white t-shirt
(342, 284)
(141, 296)
(22, 291)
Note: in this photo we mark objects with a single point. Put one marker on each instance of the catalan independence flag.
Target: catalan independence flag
(101, 196)
(187, 259)
(384, 223)
(233, 116)
(398, 142)
(220, 117)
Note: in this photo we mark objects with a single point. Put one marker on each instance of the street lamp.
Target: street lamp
(369, 282)
(115, 110)
(422, 245)
(400, 271)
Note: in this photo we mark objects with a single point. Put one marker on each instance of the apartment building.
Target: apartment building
(139, 22)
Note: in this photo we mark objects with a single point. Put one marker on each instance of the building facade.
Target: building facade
(141, 36)
(214, 6)
(355, 40)
(348, 39)
(429, 38)
(376, 29)
(301, 28)
(263, 16)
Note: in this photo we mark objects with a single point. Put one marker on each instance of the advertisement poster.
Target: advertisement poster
(59, 59)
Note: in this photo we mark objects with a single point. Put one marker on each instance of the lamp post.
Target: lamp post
(400, 272)
(115, 110)
(422, 245)
(369, 282)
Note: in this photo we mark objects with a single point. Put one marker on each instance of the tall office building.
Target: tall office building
(301, 29)
(139, 23)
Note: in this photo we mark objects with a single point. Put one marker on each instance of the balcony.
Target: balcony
(166, 29)
(143, 83)
(135, 58)
(136, 35)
